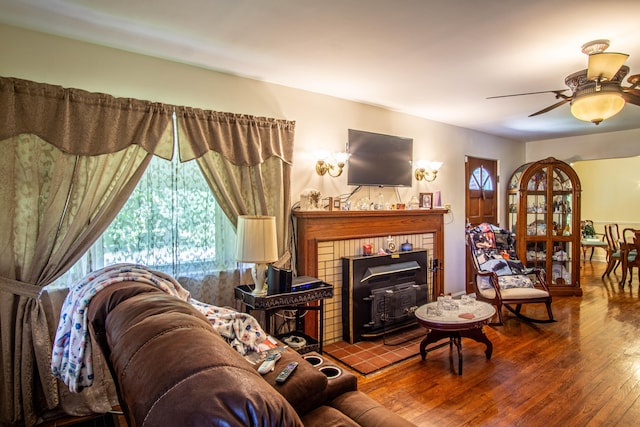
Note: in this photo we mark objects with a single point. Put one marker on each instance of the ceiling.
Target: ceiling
(430, 58)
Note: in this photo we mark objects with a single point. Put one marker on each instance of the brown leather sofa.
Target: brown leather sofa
(171, 368)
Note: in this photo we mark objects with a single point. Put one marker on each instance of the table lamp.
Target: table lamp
(256, 243)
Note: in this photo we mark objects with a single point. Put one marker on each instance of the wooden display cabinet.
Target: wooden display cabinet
(543, 212)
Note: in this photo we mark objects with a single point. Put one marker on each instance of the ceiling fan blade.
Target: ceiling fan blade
(605, 65)
(634, 80)
(551, 107)
(557, 92)
(632, 96)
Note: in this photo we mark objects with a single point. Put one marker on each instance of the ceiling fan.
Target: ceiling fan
(597, 92)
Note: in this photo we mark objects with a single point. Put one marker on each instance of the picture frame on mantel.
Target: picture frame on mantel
(426, 200)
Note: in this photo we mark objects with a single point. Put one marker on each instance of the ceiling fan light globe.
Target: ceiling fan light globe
(597, 107)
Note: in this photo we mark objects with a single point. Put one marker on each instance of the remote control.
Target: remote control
(282, 376)
(269, 363)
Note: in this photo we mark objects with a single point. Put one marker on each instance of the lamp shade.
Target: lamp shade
(605, 65)
(256, 239)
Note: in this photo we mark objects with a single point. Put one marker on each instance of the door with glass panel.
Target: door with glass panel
(481, 197)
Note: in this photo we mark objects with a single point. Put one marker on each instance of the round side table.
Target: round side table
(450, 325)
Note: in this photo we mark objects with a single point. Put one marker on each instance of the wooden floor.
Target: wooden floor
(583, 370)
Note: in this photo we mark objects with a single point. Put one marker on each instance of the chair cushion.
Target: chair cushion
(515, 293)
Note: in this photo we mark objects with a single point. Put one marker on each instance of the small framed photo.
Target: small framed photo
(426, 200)
(336, 204)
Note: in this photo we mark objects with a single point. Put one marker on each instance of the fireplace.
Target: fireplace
(380, 293)
(325, 237)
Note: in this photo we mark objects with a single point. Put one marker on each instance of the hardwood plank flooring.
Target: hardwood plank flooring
(583, 370)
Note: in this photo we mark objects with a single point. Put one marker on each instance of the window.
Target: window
(171, 223)
(480, 180)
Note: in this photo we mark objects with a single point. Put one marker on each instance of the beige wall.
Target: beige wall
(321, 121)
(610, 193)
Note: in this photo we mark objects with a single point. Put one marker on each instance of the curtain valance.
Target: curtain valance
(84, 123)
(242, 139)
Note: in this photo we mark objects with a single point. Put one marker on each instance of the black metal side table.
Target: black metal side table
(296, 301)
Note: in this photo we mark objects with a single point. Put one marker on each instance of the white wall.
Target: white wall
(609, 145)
(321, 121)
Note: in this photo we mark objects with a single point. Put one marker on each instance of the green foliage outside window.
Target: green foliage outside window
(170, 223)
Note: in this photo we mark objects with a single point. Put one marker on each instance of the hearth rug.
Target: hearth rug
(367, 357)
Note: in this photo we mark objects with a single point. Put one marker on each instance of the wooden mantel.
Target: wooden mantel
(323, 226)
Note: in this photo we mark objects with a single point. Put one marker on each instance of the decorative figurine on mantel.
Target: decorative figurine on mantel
(391, 245)
(310, 200)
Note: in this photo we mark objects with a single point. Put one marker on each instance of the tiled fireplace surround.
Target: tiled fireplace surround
(330, 271)
(325, 237)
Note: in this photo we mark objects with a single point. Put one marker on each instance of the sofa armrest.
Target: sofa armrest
(305, 388)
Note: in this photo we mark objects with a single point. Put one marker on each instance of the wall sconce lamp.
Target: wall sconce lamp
(427, 171)
(332, 164)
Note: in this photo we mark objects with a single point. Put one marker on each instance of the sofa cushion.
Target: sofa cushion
(367, 412)
(324, 416)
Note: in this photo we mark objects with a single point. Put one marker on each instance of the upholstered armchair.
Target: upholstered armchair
(500, 278)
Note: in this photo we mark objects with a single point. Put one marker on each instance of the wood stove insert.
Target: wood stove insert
(380, 293)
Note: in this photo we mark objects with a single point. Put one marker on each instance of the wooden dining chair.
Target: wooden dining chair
(612, 236)
(629, 247)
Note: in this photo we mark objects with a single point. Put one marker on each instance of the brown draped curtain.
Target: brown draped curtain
(246, 160)
(69, 160)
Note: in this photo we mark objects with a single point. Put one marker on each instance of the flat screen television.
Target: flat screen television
(379, 160)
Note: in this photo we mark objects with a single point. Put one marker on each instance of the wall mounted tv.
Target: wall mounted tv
(379, 160)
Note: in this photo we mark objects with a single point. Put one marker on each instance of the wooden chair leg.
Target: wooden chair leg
(500, 321)
(611, 263)
(608, 269)
(549, 312)
(616, 265)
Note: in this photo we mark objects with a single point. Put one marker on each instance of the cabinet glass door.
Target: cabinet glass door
(537, 204)
(561, 263)
(562, 203)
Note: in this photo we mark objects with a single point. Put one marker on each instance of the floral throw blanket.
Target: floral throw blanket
(494, 251)
(71, 359)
